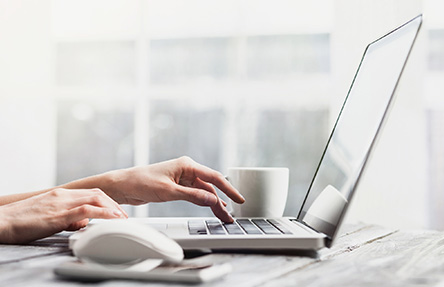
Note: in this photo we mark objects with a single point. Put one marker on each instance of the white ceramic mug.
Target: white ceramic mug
(265, 190)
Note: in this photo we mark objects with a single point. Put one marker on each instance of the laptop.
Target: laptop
(336, 178)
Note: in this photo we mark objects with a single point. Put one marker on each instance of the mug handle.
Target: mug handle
(230, 209)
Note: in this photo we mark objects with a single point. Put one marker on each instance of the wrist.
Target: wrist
(108, 182)
(112, 184)
(6, 230)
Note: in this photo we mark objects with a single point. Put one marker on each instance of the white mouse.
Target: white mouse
(123, 242)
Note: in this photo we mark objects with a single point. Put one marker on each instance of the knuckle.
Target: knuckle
(81, 209)
(57, 192)
(186, 160)
(219, 175)
(84, 209)
(96, 189)
(95, 200)
(192, 193)
(215, 176)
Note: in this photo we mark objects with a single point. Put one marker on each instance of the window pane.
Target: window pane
(71, 19)
(436, 52)
(287, 55)
(92, 139)
(178, 129)
(175, 61)
(293, 139)
(436, 163)
(95, 63)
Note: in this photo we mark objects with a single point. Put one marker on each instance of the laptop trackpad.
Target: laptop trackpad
(170, 228)
(159, 226)
(177, 229)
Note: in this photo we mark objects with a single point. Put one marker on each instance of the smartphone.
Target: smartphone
(184, 272)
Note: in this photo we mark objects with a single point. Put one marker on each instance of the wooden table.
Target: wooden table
(363, 255)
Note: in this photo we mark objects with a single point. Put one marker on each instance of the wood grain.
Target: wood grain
(362, 255)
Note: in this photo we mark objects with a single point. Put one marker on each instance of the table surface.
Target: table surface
(363, 255)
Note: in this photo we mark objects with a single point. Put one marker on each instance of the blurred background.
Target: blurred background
(90, 86)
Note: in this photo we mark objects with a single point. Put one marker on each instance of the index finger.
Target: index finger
(211, 176)
(94, 196)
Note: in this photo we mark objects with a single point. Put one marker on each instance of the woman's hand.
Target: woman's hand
(54, 211)
(178, 179)
(29, 216)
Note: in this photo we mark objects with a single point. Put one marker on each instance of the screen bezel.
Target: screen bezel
(330, 239)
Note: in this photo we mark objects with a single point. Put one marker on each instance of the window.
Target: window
(178, 128)
(435, 122)
(107, 84)
(176, 61)
(207, 95)
(93, 138)
(95, 63)
(436, 47)
(434, 110)
(278, 56)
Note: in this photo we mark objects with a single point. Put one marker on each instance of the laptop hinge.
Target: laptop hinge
(327, 239)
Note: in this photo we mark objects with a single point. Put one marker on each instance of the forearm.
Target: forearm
(106, 182)
(6, 199)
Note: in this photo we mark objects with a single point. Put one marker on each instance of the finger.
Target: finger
(221, 212)
(203, 185)
(94, 197)
(89, 211)
(211, 176)
(219, 207)
(78, 225)
(97, 201)
(109, 200)
(195, 195)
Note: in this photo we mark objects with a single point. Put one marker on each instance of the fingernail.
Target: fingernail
(118, 213)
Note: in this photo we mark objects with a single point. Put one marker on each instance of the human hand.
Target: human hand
(178, 179)
(54, 211)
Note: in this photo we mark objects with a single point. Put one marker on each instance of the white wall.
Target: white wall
(27, 145)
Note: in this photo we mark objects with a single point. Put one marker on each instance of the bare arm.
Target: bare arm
(177, 179)
(29, 216)
(52, 211)
(84, 183)
(7, 199)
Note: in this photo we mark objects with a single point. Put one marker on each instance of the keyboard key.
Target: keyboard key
(266, 227)
(279, 226)
(197, 227)
(233, 228)
(248, 226)
(215, 227)
(239, 227)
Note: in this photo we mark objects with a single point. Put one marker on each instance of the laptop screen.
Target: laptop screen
(356, 129)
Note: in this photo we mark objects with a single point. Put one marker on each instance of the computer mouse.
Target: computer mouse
(125, 242)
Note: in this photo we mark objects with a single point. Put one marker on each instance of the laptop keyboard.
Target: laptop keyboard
(238, 227)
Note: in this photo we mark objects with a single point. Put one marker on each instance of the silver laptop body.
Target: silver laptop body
(337, 176)
(336, 179)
